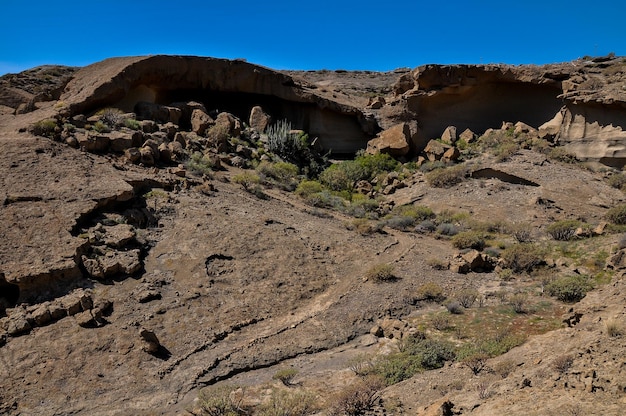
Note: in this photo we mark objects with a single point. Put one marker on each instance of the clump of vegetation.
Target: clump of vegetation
(617, 180)
(614, 328)
(454, 308)
(563, 230)
(447, 229)
(405, 216)
(45, 128)
(562, 155)
(111, 117)
(247, 179)
(285, 375)
(132, 124)
(282, 174)
(522, 233)
(522, 257)
(617, 214)
(357, 398)
(282, 141)
(378, 273)
(344, 176)
(469, 239)
(447, 177)
(431, 292)
(467, 297)
(101, 127)
(288, 403)
(199, 164)
(519, 302)
(562, 363)
(307, 188)
(221, 401)
(570, 288)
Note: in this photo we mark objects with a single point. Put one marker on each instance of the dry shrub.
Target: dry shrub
(357, 398)
(504, 368)
(614, 328)
(380, 273)
(522, 257)
(438, 264)
(447, 177)
(467, 297)
(440, 322)
(431, 292)
(562, 363)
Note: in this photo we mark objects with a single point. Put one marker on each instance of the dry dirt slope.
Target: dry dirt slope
(232, 285)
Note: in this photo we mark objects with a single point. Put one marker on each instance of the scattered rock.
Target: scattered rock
(150, 342)
(449, 135)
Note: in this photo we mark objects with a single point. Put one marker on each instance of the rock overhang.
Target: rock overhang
(224, 85)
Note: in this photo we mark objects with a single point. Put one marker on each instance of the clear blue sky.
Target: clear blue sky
(317, 34)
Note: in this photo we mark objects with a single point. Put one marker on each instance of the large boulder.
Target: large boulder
(435, 150)
(200, 121)
(395, 141)
(259, 119)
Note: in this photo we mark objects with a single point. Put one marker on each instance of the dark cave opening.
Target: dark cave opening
(9, 295)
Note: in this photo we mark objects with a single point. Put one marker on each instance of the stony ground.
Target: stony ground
(236, 287)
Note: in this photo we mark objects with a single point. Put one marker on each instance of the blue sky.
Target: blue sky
(319, 34)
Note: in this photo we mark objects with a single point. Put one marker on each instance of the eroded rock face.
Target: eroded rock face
(152, 87)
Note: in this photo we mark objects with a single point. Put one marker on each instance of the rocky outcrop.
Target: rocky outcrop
(151, 86)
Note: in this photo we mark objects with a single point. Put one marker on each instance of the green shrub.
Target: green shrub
(101, 127)
(308, 187)
(380, 273)
(284, 143)
(132, 124)
(431, 353)
(343, 176)
(468, 239)
(562, 155)
(570, 288)
(447, 177)
(563, 230)
(199, 164)
(281, 172)
(617, 214)
(376, 164)
(522, 257)
(285, 375)
(519, 302)
(247, 180)
(45, 128)
(617, 180)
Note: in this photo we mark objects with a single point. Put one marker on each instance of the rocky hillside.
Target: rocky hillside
(183, 230)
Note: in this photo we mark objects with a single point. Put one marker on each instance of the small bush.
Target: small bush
(570, 289)
(247, 180)
(522, 257)
(361, 365)
(522, 233)
(357, 398)
(285, 375)
(380, 273)
(431, 292)
(221, 401)
(280, 173)
(101, 127)
(563, 363)
(614, 328)
(617, 180)
(563, 230)
(45, 128)
(447, 229)
(307, 187)
(440, 322)
(447, 177)
(427, 226)
(438, 264)
(467, 297)
(454, 308)
(288, 403)
(617, 214)
(132, 124)
(562, 155)
(468, 239)
(519, 302)
(399, 222)
(111, 117)
(504, 368)
(199, 164)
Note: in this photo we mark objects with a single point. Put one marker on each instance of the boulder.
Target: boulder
(152, 111)
(150, 342)
(395, 141)
(133, 155)
(165, 154)
(523, 128)
(376, 103)
(18, 322)
(435, 150)
(467, 136)
(170, 129)
(149, 126)
(146, 156)
(120, 142)
(449, 135)
(119, 235)
(394, 328)
(259, 119)
(41, 315)
(93, 143)
(200, 121)
(451, 155)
